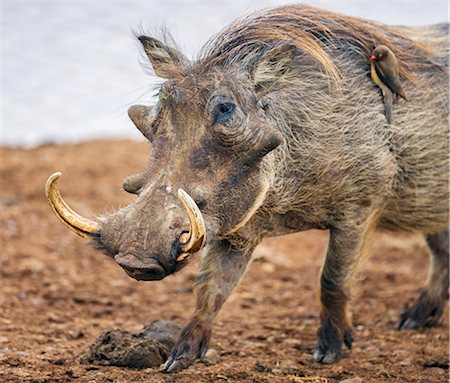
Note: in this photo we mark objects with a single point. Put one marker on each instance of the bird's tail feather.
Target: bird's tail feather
(388, 107)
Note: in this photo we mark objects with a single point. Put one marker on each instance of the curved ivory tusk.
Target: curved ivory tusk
(194, 240)
(75, 222)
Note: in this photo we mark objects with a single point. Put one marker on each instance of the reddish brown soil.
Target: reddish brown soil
(57, 294)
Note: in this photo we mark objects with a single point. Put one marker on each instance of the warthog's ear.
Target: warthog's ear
(273, 70)
(167, 62)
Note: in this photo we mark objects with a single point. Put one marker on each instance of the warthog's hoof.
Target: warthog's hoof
(193, 344)
(425, 312)
(329, 346)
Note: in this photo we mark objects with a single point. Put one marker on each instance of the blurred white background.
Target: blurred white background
(70, 70)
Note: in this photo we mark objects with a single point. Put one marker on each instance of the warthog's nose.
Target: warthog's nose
(147, 270)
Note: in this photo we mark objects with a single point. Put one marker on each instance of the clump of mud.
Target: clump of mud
(146, 348)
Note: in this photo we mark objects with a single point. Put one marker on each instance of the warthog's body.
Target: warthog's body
(278, 128)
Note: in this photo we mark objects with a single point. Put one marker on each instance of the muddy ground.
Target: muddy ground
(57, 294)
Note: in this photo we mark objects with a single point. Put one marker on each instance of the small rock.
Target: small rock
(54, 318)
(288, 363)
(268, 267)
(4, 339)
(260, 367)
(406, 362)
(211, 357)
(22, 295)
(32, 266)
(72, 374)
(356, 379)
(276, 371)
(13, 362)
(8, 201)
(77, 334)
(289, 367)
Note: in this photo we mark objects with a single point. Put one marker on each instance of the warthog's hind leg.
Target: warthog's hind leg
(222, 267)
(431, 302)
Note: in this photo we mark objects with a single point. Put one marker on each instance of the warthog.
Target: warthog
(276, 128)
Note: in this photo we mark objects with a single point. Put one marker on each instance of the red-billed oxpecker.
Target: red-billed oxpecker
(384, 70)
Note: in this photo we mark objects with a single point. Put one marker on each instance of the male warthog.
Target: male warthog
(276, 128)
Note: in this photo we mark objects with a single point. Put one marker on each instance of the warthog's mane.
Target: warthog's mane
(314, 31)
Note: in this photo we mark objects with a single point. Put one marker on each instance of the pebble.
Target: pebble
(287, 364)
(261, 367)
(401, 352)
(356, 379)
(211, 357)
(77, 334)
(33, 266)
(406, 362)
(22, 295)
(268, 267)
(276, 371)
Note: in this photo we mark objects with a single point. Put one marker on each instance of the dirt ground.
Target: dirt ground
(57, 294)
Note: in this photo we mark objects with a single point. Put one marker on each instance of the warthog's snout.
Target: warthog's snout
(148, 270)
(163, 260)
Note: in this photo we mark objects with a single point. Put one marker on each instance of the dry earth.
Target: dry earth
(57, 294)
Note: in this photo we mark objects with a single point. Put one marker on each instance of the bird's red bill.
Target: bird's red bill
(372, 58)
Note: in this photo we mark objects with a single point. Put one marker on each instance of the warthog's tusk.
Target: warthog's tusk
(194, 240)
(75, 222)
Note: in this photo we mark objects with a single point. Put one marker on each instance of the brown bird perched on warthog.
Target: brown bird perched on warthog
(276, 128)
(385, 72)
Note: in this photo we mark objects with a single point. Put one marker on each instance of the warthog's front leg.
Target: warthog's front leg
(222, 267)
(346, 249)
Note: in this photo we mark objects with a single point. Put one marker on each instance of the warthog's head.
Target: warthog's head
(206, 176)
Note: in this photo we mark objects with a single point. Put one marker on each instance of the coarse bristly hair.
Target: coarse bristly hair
(316, 32)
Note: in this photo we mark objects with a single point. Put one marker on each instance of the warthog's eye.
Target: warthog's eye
(223, 113)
